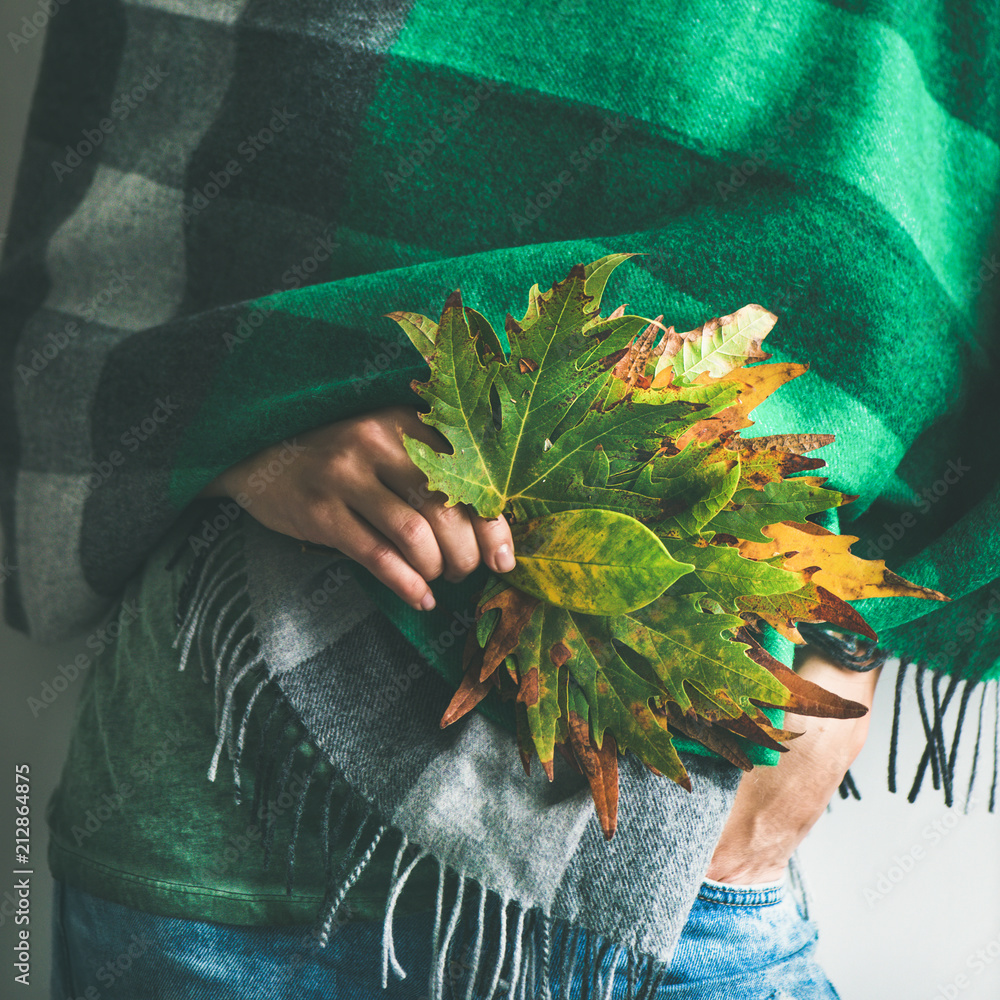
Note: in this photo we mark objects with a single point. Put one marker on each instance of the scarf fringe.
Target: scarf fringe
(523, 953)
(943, 737)
(534, 955)
(940, 755)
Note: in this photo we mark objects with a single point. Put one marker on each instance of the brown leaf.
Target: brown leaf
(516, 609)
(718, 740)
(810, 604)
(764, 724)
(805, 697)
(761, 464)
(631, 367)
(749, 730)
(797, 444)
(601, 768)
(470, 693)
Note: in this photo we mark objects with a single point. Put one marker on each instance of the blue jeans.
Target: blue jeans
(738, 944)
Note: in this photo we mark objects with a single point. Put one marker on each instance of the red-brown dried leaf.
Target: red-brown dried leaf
(601, 768)
(516, 609)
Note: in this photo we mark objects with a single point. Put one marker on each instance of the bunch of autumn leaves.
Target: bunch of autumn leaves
(652, 540)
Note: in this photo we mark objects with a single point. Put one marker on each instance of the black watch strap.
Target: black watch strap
(853, 652)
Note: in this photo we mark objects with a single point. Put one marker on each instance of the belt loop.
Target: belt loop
(798, 885)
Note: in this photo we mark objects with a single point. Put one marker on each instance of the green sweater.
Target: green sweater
(134, 819)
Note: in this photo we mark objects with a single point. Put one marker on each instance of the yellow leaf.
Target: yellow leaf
(754, 384)
(834, 567)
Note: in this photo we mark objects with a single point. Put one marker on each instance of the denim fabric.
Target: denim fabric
(738, 944)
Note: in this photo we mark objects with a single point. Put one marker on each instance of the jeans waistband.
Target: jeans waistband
(756, 895)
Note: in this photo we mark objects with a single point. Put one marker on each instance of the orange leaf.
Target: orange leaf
(755, 385)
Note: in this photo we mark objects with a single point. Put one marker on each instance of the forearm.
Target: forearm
(776, 807)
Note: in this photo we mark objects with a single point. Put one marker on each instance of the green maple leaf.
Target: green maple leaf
(695, 488)
(684, 645)
(722, 575)
(620, 699)
(500, 413)
(790, 500)
(538, 690)
(618, 617)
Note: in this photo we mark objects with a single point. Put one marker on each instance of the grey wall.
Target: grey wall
(912, 942)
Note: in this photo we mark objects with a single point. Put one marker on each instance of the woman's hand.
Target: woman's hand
(777, 806)
(345, 487)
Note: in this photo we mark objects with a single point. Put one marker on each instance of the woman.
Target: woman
(362, 160)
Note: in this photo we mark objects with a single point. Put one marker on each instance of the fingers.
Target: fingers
(344, 529)
(495, 542)
(462, 535)
(367, 498)
(406, 528)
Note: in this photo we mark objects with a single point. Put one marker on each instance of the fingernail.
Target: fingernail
(427, 601)
(505, 558)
